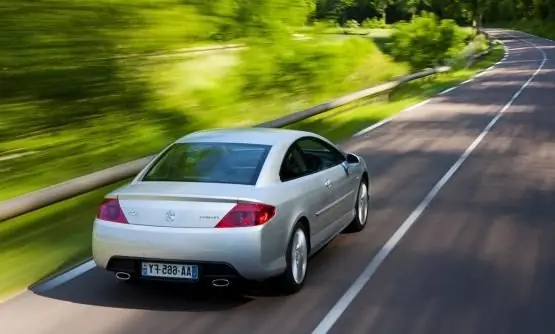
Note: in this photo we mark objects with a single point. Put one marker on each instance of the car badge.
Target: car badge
(170, 216)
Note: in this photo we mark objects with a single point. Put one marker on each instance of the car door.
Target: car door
(308, 189)
(328, 161)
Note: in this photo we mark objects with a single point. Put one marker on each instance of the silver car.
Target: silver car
(232, 205)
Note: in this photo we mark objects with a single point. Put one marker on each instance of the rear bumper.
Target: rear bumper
(207, 270)
(219, 253)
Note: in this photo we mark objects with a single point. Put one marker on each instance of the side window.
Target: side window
(319, 155)
(292, 166)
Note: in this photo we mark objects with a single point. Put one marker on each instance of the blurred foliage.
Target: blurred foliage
(295, 68)
(88, 84)
(427, 41)
(68, 61)
(374, 23)
(352, 24)
(264, 18)
(64, 60)
(530, 15)
(537, 15)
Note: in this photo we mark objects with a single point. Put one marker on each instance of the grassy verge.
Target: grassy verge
(170, 97)
(540, 28)
(322, 30)
(38, 244)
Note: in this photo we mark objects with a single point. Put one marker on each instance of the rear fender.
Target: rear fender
(300, 215)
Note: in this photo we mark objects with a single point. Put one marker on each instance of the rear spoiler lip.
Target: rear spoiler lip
(186, 197)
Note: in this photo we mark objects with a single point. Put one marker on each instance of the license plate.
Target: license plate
(169, 270)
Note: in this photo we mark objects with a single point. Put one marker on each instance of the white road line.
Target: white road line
(389, 119)
(12, 296)
(55, 281)
(337, 310)
(65, 277)
(443, 92)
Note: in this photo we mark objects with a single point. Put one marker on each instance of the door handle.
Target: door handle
(327, 183)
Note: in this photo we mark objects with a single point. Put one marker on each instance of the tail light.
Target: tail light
(110, 210)
(247, 214)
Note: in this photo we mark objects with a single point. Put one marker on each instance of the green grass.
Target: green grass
(175, 96)
(542, 28)
(312, 30)
(46, 241)
(38, 244)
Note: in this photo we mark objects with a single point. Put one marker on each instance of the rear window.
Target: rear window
(234, 163)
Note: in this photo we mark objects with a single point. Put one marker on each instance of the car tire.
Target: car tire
(361, 208)
(292, 280)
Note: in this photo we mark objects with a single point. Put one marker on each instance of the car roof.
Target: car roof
(263, 136)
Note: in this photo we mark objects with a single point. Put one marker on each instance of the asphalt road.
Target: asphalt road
(480, 258)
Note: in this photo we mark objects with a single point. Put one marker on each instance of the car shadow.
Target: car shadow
(98, 287)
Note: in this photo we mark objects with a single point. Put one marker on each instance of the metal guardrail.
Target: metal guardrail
(59, 192)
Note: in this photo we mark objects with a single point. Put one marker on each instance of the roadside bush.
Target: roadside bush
(220, 89)
(321, 27)
(352, 24)
(374, 23)
(295, 68)
(427, 41)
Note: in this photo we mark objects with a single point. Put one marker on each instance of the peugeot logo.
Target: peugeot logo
(170, 216)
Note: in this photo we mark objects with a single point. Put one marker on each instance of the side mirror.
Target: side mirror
(352, 159)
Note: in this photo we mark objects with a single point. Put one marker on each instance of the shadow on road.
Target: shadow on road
(100, 288)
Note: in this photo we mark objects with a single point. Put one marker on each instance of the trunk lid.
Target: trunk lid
(181, 205)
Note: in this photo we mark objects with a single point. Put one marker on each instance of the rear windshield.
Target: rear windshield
(233, 163)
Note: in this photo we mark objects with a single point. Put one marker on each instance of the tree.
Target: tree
(381, 6)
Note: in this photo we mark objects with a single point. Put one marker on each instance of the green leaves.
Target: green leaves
(462, 11)
(427, 41)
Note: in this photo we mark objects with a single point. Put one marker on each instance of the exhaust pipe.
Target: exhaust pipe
(221, 283)
(122, 276)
